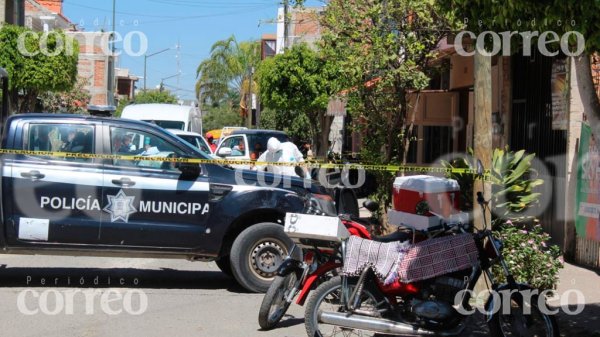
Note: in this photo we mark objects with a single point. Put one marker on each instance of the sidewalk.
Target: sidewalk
(587, 282)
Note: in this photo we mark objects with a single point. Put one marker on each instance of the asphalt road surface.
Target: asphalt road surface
(50, 296)
(58, 296)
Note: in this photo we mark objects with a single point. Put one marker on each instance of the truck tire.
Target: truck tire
(257, 253)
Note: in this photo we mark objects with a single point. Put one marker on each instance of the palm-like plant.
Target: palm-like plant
(514, 182)
(227, 69)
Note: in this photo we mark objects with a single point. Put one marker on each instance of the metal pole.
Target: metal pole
(145, 60)
(110, 100)
(286, 4)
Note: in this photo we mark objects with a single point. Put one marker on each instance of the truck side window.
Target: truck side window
(138, 144)
(71, 138)
(237, 146)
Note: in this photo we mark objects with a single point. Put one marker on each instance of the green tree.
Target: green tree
(384, 51)
(228, 69)
(559, 16)
(219, 116)
(149, 96)
(72, 101)
(296, 125)
(155, 96)
(298, 84)
(34, 70)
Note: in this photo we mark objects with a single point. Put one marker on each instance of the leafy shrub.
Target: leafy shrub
(529, 256)
(526, 249)
(513, 185)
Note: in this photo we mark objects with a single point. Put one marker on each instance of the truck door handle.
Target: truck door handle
(33, 175)
(123, 182)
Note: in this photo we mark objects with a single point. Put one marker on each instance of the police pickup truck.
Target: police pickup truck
(96, 201)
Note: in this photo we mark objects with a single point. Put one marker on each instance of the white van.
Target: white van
(167, 116)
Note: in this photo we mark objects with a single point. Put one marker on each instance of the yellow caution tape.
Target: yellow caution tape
(308, 165)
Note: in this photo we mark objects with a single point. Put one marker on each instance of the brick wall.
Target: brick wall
(93, 63)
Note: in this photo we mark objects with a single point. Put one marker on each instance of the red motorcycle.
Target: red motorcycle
(400, 288)
(298, 278)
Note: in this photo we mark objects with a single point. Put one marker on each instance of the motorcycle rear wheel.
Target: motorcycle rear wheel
(514, 322)
(274, 304)
(327, 297)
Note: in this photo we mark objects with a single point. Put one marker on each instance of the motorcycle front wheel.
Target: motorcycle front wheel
(274, 304)
(522, 320)
(327, 298)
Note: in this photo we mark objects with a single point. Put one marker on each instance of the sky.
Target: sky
(194, 25)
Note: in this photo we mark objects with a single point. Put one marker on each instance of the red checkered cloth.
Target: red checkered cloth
(439, 256)
(382, 257)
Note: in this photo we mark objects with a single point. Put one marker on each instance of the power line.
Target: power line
(218, 4)
(117, 12)
(209, 15)
(243, 9)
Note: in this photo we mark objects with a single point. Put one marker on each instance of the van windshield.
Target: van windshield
(167, 124)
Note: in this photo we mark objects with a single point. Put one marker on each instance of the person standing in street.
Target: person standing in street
(210, 139)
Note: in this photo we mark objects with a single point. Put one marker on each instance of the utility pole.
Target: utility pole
(146, 62)
(286, 5)
(482, 133)
(111, 61)
(249, 98)
(178, 56)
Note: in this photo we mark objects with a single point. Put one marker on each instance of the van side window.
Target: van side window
(147, 149)
(70, 138)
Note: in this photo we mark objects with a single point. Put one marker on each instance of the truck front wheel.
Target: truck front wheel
(257, 253)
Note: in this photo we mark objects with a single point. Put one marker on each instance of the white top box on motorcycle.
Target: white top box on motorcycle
(420, 193)
(422, 222)
(315, 230)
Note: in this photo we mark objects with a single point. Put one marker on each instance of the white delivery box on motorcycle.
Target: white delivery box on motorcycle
(308, 230)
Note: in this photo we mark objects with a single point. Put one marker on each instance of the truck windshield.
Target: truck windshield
(168, 124)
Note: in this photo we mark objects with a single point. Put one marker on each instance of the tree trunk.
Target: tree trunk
(14, 104)
(325, 123)
(407, 138)
(316, 147)
(589, 98)
(397, 125)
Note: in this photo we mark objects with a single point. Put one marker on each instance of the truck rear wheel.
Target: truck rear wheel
(257, 253)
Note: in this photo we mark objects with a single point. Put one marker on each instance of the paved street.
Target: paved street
(183, 299)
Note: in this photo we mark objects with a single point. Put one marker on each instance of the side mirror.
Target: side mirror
(189, 170)
(224, 152)
(480, 169)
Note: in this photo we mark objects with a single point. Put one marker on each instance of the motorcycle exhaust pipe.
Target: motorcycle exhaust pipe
(381, 325)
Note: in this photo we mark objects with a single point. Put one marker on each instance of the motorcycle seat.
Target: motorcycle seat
(395, 236)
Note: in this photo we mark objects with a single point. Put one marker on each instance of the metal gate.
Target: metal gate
(531, 129)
